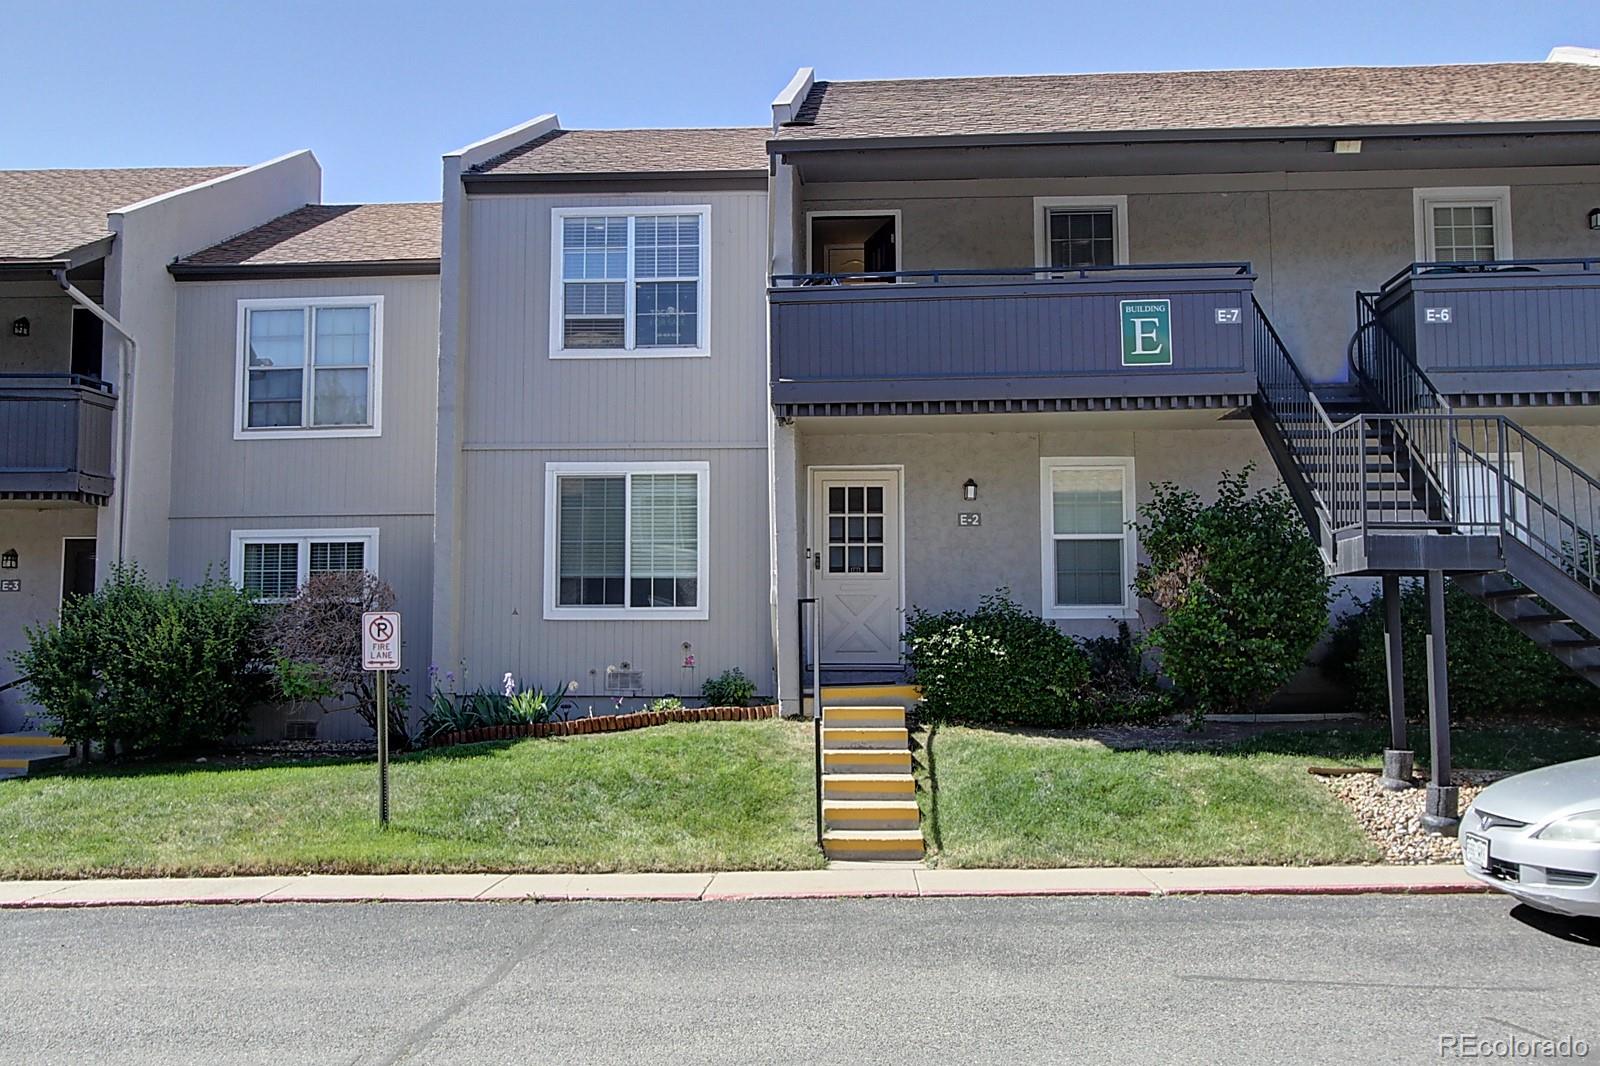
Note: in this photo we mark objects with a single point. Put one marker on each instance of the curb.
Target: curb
(803, 885)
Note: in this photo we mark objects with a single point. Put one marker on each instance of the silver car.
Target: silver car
(1537, 836)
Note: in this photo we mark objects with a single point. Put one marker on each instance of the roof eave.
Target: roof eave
(782, 146)
(334, 269)
(614, 180)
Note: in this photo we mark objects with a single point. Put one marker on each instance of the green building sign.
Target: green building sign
(1146, 332)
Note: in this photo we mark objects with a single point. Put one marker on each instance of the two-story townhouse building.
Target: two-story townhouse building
(206, 370)
(603, 462)
(1002, 307)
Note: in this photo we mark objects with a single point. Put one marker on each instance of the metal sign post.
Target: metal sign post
(380, 653)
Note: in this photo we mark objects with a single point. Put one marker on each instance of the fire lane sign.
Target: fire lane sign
(380, 640)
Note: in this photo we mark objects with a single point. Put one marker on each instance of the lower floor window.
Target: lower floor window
(274, 564)
(1088, 555)
(626, 539)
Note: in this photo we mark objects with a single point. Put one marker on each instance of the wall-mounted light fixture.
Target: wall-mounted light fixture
(8, 559)
(969, 491)
(1594, 218)
(20, 327)
(1346, 147)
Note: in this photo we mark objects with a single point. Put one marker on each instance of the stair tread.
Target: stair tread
(843, 835)
(868, 804)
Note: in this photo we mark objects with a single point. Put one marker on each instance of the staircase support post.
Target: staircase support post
(1397, 757)
(1440, 811)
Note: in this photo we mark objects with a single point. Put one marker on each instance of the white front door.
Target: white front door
(855, 565)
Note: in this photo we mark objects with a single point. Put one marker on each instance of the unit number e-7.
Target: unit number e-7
(1229, 316)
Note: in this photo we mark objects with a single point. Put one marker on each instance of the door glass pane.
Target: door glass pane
(855, 529)
(1087, 499)
(1089, 573)
(590, 527)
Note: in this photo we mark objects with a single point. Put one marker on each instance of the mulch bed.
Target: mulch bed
(605, 723)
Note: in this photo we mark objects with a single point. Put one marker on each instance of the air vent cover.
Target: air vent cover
(300, 731)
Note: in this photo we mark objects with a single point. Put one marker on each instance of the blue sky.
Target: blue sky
(380, 90)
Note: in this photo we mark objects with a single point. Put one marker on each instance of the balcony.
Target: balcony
(1510, 333)
(1112, 338)
(55, 437)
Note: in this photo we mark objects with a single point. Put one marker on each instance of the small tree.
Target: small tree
(315, 643)
(1242, 586)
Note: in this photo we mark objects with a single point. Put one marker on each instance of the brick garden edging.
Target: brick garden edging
(605, 723)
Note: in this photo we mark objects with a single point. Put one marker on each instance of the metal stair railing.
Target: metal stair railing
(1302, 422)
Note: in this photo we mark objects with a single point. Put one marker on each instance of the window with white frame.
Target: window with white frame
(1463, 225)
(629, 281)
(309, 367)
(1089, 549)
(273, 564)
(1080, 231)
(625, 540)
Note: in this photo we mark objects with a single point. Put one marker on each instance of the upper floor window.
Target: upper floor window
(629, 281)
(273, 564)
(1463, 225)
(309, 367)
(1080, 231)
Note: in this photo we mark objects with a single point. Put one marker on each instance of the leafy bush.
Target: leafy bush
(1120, 688)
(1242, 586)
(728, 689)
(996, 664)
(144, 668)
(1494, 669)
(450, 712)
(665, 703)
(315, 641)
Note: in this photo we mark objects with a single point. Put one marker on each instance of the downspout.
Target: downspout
(125, 400)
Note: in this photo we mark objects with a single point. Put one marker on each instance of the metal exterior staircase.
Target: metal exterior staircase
(1391, 479)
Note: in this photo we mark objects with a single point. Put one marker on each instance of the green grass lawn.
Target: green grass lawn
(1019, 800)
(707, 796)
(1015, 799)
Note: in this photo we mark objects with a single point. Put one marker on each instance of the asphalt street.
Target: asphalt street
(1167, 980)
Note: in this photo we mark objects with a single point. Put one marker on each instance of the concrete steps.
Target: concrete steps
(869, 796)
(20, 752)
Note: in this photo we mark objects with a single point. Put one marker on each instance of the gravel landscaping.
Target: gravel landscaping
(1393, 820)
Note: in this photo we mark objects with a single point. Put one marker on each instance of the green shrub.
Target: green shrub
(997, 664)
(665, 703)
(1120, 687)
(728, 689)
(1494, 669)
(144, 668)
(1242, 586)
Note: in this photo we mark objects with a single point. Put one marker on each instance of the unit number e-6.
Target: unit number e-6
(1228, 316)
(1437, 315)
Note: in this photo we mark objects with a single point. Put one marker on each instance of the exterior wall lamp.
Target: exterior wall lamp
(969, 491)
(1594, 218)
(8, 559)
(20, 327)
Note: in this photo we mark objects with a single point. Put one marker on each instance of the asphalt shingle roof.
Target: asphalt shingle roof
(47, 213)
(1200, 100)
(665, 151)
(332, 233)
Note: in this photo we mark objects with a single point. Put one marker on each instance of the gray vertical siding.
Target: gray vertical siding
(522, 410)
(221, 484)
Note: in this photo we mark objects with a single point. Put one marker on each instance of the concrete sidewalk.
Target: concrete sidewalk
(846, 881)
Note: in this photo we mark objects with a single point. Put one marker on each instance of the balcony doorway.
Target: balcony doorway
(855, 242)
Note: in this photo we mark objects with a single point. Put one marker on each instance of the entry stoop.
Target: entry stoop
(869, 797)
(19, 752)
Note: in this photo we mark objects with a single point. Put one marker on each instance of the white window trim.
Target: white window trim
(1129, 607)
(1496, 196)
(703, 289)
(241, 364)
(588, 612)
(1043, 205)
(865, 212)
(304, 537)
